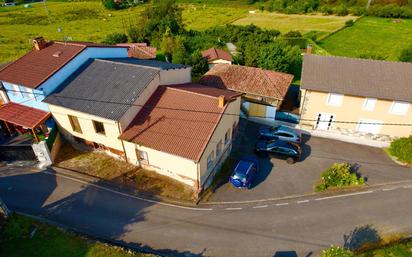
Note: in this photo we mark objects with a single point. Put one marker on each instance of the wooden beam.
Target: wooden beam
(35, 135)
(8, 128)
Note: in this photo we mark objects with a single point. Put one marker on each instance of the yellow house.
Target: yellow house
(357, 97)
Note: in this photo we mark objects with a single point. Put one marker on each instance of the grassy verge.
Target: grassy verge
(371, 36)
(50, 241)
(103, 166)
(398, 249)
(288, 22)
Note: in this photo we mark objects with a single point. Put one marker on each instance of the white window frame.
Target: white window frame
(369, 104)
(210, 159)
(392, 111)
(142, 156)
(340, 99)
(378, 123)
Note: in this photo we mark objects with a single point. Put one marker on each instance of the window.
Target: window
(74, 122)
(227, 137)
(142, 156)
(369, 126)
(99, 127)
(16, 90)
(399, 108)
(219, 148)
(27, 92)
(210, 161)
(369, 104)
(334, 99)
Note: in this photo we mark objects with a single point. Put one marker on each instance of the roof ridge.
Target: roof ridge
(359, 59)
(128, 64)
(190, 92)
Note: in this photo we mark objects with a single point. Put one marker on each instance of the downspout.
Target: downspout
(124, 149)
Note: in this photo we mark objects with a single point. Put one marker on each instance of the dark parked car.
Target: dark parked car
(280, 132)
(291, 151)
(244, 173)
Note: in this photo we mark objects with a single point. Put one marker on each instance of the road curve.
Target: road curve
(296, 227)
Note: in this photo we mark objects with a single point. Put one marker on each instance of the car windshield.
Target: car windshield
(238, 176)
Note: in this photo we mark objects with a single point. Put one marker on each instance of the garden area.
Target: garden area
(23, 236)
(100, 165)
(339, 176)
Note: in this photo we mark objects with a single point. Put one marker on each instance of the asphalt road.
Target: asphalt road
(286, 228)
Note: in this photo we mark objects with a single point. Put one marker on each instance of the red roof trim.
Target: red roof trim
(22, 115)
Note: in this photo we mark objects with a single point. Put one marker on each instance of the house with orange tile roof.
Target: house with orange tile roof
(217, 56)
(264, 91)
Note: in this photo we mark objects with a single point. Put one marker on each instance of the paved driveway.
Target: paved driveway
(279, 179)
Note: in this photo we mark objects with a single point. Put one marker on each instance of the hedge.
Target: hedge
(402, 149)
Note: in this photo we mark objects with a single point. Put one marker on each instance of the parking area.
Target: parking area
(276, 178)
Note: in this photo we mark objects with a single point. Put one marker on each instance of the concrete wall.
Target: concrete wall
(110, 139)
(176, 167)
(176, 76)
(45, 89)
(225, 124)
(351, 109)
(140, 101)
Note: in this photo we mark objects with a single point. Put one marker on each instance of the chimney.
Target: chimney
(221, 101)
(309, 49)
(39, 43)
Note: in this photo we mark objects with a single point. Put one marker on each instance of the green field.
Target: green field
(371, 36)
(288, 22)
(50, 241)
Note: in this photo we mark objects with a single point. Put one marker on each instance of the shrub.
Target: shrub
(341, 10)
(339, 175)
(336, 251)
(406, 55)
(402, 149)
(349, 23)
(326, 10)
(115, 38)
(110, 4)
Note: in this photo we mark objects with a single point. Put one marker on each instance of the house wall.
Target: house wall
(218, 61)
(140, 101)
(225, 124)
(314, 102)
(54, 81)
(176, 76)
(176, 167)
(110, 139)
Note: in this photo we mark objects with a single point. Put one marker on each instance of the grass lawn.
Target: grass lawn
(288, 22)
(371, 36)
(50, 241)
(403, 249)
(108, 168)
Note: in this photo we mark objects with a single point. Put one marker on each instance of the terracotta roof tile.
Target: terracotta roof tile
(22, 115)
(35, 67)
(248, 80)
(215, 54)
(178, 120)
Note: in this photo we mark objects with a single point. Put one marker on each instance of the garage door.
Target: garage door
(369, 126)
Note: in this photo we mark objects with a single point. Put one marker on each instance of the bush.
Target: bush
(326, 10)
(341, 10)
(349, 23)
(339, 175)
(390, 11)
(115, 38)
(402, 149)
(406, 55)
(336, 251)
(110, 4)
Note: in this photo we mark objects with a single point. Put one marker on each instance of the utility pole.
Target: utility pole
(4, 210)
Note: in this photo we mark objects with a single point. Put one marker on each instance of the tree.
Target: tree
(115, 38)
(406, 55)
(199, 64)
(179, 53)
(281, 57)
(110, 4)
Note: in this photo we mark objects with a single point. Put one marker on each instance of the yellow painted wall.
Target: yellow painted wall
(110, 139)
(257, 110)
(351, 110)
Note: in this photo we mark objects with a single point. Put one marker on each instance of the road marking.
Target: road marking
(259, 206)
(234, 209)
(281, 204)
(389, 189)
(407, 187)
(303, 201)
(338, 196)
(128, 195)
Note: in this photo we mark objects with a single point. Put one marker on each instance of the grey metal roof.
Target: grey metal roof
(103, 88)
(359, 77)
(150, 63)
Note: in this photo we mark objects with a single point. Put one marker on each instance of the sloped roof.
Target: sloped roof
(178, 119)
(103, 88)
(35, 67)
(215, 54)
(22, 115)
(248, 80)
(359, 77)
(150, 63)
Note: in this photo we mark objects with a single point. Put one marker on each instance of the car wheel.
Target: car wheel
(290, 160)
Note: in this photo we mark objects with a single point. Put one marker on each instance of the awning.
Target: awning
(22, 115)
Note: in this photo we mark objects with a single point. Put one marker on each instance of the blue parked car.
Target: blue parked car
(280, 132)
(244, 173)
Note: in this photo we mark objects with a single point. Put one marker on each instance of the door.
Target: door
(324, 121)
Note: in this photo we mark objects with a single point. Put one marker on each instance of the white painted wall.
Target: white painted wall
(176, 76)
